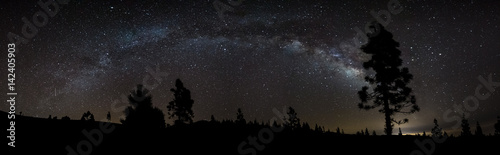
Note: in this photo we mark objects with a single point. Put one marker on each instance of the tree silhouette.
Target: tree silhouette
(181, 106)
(400, 133)
(465, 127)
(338, 130)
(424, 134)
(374, 133)
(293, 120)
(212, 118)
(436, 131)
(108, 116)
(389, 84)
(240, 119)
(306, 126)
(50, 117)
(479, 130)
(366, 132)
(141, 113)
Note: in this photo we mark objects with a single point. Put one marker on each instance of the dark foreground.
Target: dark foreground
(42, 136)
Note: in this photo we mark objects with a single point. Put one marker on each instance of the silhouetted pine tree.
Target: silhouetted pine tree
(212, 118)
(465, 127)
(400, 133)
(306, 126)
(366, 132)
(436, 130)
(389, 84)
(374, 133)
(240, 119)
(108, 116)
(338, 130)
(141, 114)
(293, 120)
(424, 134)
(479, 130)
(181, 106)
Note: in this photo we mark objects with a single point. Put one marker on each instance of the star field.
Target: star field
(264, 55)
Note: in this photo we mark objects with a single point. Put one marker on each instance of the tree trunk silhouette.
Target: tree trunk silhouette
(388, 123)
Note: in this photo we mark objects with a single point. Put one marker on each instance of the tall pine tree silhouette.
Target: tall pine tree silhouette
(293, 121)
(479, 130)
(389, 84)
(436, 130)
(181, 106)
(465, 127)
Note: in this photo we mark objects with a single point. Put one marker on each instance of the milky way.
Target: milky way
(261, 56)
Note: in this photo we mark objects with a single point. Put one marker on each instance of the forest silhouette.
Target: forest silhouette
(144, 129)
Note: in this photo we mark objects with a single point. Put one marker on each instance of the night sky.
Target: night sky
(260, 56)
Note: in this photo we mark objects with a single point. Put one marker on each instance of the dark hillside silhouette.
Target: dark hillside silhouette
(389, 84)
